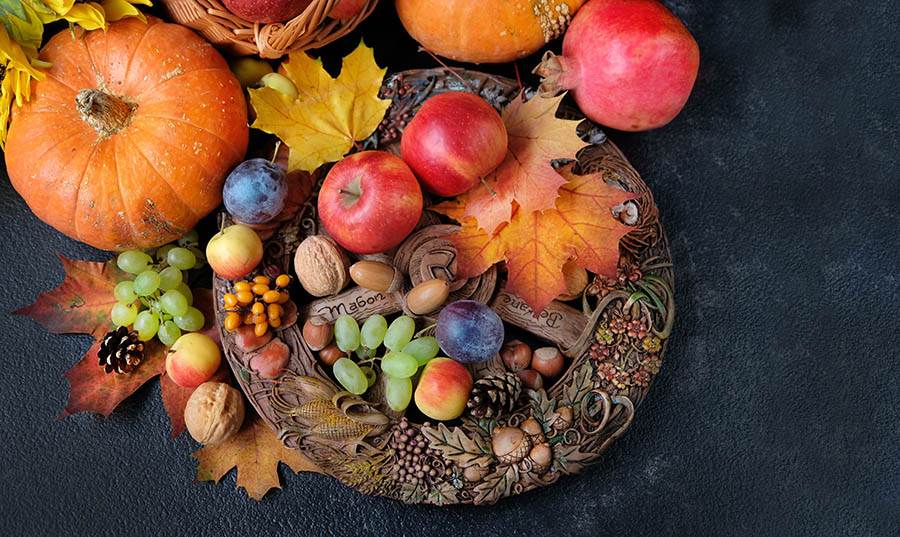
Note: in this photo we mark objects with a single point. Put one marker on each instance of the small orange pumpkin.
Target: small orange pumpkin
(127, 140)
(485, 31)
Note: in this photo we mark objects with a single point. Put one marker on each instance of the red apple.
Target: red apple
(192, 360)
(443, 390)
(346, 9)
(453, 141)
(234, 252)
(266, 10)
(370, 202)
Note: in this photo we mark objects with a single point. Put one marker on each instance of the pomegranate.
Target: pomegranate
(630, 64)
(453, 141)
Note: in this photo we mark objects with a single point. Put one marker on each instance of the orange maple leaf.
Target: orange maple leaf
(256, 451)
(536, 244)
(526, 177)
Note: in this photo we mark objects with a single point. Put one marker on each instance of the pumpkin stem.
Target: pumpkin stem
(106, 113)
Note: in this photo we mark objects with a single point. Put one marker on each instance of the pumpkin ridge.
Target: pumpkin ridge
(226, 143)
(165, 180)
(137, 47)
(149, 134)
(134, 232)
(77, 195)
(176, 77)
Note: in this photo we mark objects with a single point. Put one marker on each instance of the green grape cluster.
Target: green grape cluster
(155, 299)
(404, 355)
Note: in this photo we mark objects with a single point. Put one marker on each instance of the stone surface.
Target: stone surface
(776, 412)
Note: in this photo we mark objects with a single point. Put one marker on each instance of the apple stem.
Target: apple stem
(488, 186)
(275, 153)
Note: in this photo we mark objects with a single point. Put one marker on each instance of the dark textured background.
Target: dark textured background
(775, 413)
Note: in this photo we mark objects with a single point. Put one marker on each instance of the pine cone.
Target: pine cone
(495, 394)
(120, 351)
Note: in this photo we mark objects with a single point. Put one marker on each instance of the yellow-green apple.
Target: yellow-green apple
(234, 252)
(266, 10)
(453, 141)
(443, 390)
(369, 202)
(192, 360)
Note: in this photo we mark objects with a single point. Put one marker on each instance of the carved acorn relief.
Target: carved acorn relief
(562, 389)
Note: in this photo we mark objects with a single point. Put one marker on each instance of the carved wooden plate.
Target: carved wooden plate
(613, 336)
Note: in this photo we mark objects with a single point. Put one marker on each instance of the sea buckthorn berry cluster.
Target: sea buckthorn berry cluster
(257, 302)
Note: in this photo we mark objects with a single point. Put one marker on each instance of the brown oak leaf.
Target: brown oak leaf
(526, 177)
(536, 244)
(255, 451)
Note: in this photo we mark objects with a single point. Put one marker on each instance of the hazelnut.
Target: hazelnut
(321, 266)
(331, 354)
(576, 280)
(531, 379)
(427, 296)
(533, 429)
(373, 275)
(541, 457)
(516, 355)
(548, 361)
(510, 444)
(317, 333)
(214, 412)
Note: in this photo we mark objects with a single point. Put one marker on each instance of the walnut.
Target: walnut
(321, 266)
(214, 412)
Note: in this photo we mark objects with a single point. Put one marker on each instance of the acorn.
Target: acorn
(534, 430)
(565, 418)
(516, 355)
(541, 457)
(510, 444)
(475, 473)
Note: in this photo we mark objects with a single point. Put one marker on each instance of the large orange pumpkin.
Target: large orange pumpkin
(485, 31)
(128, 139)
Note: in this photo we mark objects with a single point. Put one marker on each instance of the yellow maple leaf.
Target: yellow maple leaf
(256, 451)
(526, 176)
(536, 244)
(330, 114)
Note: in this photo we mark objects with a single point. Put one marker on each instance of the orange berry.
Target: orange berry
(283, 281)
(232, 321)
(271, 296)
(275, 322)
(244, 298)
(275, 311)
(262, 279)
(241, 286)
(259, 318)
(229, 300)
(260, 289)
(248, 318)
(258, 307)
(284, 297)
(261, 328)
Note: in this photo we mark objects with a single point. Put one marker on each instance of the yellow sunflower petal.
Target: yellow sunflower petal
(14, 56)
(119, 9)
(89, 16)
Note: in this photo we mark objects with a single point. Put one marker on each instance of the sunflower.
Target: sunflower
(91, 15)
(16, 71)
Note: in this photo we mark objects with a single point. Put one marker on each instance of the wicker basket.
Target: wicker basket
(310, 29)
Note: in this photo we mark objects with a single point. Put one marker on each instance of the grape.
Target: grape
(169, 333)
(350, 376)
(399, 365)
(191, 238)
(280, 83)
(163, 251)
(124, 292)
(133, 261)
(372, 332)
(146, 283)
(423, 349)
(186, 291)
(371, 377)
(399, 333)
(469, 331)
(146, 324)
(169, 278)
(181, 258)
(346, 333)
(397, 392)
(123, 314)
(191, 321)
(255, 192)
(248, 71)
(174, 303)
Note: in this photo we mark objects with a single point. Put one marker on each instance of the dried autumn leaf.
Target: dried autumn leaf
(330, 114)
(536, 138)
(535, 245)
(255, 451)
(458, 447)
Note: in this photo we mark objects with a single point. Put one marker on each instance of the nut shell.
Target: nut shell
(548, 361)
(531, 379)
(516, 355)
(427, 296)
(214, 412)
(510, 444)
(317, 333)
(373, 275)
(321, 266)
(576, 281)
(331, 354)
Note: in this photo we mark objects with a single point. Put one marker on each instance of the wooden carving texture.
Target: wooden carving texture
(614, 338)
